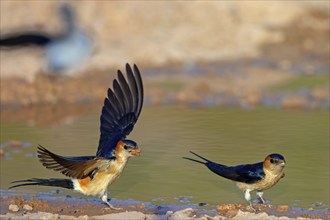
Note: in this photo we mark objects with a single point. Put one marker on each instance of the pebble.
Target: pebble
(27, 207)
(183, 214)
(282, 208)
(13, 208)
(226, 207)
(142, 206)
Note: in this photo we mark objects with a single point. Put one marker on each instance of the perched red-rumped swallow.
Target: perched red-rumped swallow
(249, 177)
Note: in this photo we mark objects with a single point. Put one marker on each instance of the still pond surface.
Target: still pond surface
(166, 134)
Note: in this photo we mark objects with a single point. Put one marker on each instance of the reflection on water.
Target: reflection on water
(165, 134)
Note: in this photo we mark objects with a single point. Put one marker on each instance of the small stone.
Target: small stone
(183, 214)
(13, 208)
(294, 102)
(226, 207)
(169, 213)
(231, 213)
(27, 207)
(207, 217)
(282, 208)
(247, 215)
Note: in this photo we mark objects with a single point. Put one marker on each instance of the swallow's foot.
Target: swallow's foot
(111, 206)
(105, 200)
(252, 208)
(266, 205)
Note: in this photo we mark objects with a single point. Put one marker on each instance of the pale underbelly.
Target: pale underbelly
(99, 184)
(264, 184)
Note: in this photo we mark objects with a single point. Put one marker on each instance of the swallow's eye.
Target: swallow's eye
(272, 160)
(128, 148)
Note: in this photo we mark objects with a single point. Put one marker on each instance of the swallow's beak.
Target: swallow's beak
(282, 164)
(136, 152)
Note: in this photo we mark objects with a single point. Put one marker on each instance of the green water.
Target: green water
(165, 134)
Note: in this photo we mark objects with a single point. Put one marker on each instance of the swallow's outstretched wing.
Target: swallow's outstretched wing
(121, 110)
(246, 173)
(75, 167)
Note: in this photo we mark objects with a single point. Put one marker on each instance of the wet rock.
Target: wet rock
(123, 216)
(229, 210)
(183, 198)
(183, 214)
(252, 97)
(282, 208)
(231, 213)
(156, 217)
(142, 206)
(13, 208)
(169, 213)
(259, 216)
(321, 93)
(248, 215)
(294, 102)
(42, 216)
(68, 217)
(206, 217)
(226, 207)
(46, 216)
(27, 207)
(319, 204)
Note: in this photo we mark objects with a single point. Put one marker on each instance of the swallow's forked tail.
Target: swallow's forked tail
(198, 161)
(64, 183)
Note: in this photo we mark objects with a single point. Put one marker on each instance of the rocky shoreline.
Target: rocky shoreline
(67, 207)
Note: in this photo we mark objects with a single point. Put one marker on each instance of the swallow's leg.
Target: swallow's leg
(263, 201)
(248, 198)
(260, 193)
(105, 200)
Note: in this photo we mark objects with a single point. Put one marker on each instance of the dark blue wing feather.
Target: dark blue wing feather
(120, 111)
(247, 173)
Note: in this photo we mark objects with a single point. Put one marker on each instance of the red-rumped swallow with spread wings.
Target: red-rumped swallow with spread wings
(91, 175)
(249, 177)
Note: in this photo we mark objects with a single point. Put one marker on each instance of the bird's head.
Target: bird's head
(275, 162)
(128, 148)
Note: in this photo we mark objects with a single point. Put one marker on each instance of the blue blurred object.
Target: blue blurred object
(64, 51)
